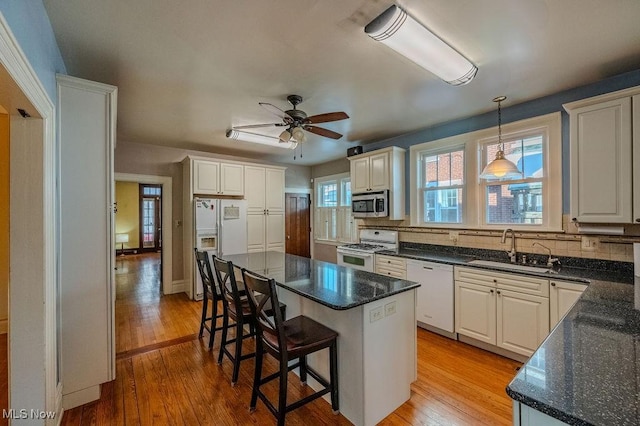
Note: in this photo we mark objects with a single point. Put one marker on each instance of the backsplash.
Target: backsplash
(567, 244)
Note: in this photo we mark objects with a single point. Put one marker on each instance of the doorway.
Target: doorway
(298, 224)
(150, 217)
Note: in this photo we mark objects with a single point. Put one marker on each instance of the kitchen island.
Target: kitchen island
(374, 316)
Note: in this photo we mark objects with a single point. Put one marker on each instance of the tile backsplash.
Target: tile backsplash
(566, 244)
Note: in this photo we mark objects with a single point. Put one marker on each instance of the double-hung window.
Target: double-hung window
(448, 192)
(440, 186)
(517, 201)
(333, 220)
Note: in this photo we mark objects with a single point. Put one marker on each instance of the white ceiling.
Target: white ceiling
(189, 70)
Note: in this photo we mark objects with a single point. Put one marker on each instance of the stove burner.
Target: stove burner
(364, 246)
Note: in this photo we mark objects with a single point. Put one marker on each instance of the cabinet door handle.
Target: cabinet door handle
(428, 268)
(638, 219)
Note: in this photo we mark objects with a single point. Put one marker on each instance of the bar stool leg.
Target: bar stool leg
(214, 317)
(238, 355)
(257, 375)
(333, 371)
(225, 326)
(303, 369)
(282, 394)
(204, 316)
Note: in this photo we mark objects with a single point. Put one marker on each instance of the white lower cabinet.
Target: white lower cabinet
(562, 296)
(476, 311)
(506, 310)
(391, 266)
(522, 321)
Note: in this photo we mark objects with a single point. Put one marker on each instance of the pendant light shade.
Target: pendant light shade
(500, 167)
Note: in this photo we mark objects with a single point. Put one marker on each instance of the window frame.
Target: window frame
(474, 215)
(434, 150)
(338, 212)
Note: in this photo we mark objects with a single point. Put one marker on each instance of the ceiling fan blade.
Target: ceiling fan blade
(276, 111)
(253, 126)
(323, 132)
(327, 117)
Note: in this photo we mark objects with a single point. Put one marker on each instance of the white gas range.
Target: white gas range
(361, 256)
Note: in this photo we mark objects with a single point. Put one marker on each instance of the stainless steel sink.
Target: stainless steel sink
(511, 266)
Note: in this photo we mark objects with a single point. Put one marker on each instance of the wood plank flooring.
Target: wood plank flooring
(165, 378)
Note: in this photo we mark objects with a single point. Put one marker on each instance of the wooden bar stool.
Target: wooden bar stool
(210, 293)
(235, 306)
(288, 340)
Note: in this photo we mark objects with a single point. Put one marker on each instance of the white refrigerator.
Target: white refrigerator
(220, 228)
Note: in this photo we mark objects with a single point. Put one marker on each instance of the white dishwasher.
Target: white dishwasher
(435, 298)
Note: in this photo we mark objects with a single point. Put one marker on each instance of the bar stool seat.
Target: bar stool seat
(288, 340)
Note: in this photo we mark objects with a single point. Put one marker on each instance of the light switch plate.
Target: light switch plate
(589, 243)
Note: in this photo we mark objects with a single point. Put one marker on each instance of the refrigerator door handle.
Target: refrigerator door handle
(220, 231)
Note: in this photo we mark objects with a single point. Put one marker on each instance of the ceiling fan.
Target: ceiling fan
(296, 120)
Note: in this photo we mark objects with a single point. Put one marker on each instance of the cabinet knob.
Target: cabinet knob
(574, 219)
(495, 281)
(553, 284)
(638, 219)
(491, 290)
(498, 292)
(388, 261)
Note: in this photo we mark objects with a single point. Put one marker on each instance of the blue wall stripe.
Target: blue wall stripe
(529, 109)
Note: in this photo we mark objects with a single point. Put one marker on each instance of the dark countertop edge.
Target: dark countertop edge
(350, 305)
(546, 409)
(463, 260)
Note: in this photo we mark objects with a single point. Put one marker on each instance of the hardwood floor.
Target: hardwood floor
(163, 377)
(143, 315)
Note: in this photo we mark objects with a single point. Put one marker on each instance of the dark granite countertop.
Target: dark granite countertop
(587, 372)
(334, 286)
(570, 269)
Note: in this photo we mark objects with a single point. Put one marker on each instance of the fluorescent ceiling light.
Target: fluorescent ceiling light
(256, 138)
(396, 29)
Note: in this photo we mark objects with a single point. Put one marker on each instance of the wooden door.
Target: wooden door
(297, 224)
(150, 217)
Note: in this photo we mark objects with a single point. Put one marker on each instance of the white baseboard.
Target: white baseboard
(81, 397)
(4, 326)
(179, 286)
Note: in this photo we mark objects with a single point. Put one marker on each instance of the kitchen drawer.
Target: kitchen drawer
(390, 262)
(391, 272)
(507, 281)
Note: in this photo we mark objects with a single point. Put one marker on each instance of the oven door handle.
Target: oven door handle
(355, 252)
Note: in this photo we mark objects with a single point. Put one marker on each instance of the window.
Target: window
(449, 193)
(332, 214)
(516, 201)
(441, 183)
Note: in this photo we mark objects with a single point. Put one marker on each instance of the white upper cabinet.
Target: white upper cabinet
(215, 178)
(381, 170)
(605, 139)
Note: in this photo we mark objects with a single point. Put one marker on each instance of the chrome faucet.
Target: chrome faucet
(551, 261)
(512, 253)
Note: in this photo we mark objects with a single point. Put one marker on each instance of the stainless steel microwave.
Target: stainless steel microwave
(370, 204)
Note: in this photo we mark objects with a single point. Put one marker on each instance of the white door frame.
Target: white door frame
(33, 264)
(167, 219)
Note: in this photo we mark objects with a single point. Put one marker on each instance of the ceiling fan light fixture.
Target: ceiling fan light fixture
(500, 167)
(399, 31)
(256, 138)
(285, 136)
(298, 134)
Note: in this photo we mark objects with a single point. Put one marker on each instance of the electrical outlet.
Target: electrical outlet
(453, 235)
(589, 243)
(390, 308)
(376, 314)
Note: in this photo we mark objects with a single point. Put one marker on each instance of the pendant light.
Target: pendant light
(500, 167)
